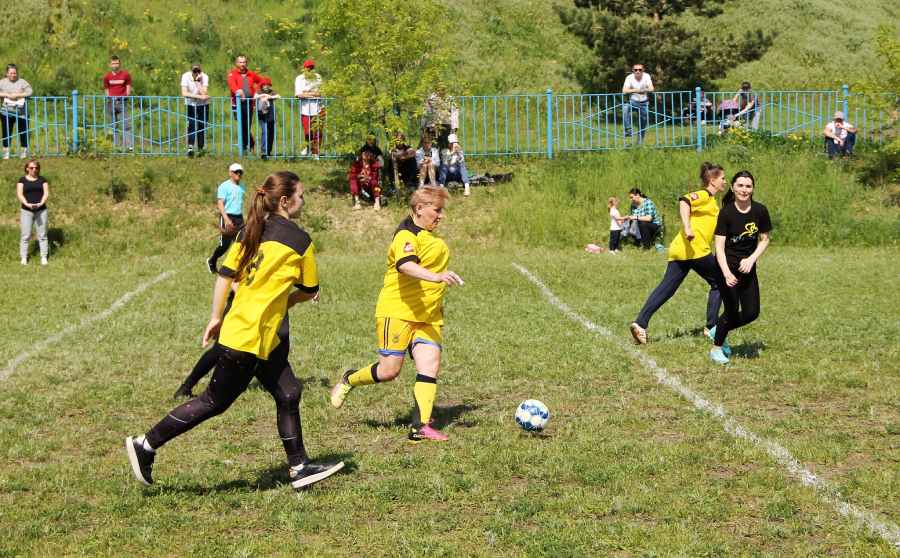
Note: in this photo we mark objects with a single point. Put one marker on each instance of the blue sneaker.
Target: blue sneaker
(711, 333)
(718, 356)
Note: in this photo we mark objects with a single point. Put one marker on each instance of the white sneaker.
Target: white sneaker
(24, 261)
(305, 152)
(23, 154)
(6, 153)
(639, 334)
(466, 190)
(43, 261)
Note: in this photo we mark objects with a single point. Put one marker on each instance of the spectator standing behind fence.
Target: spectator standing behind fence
(840, 137)
(33, 191)
(14, 111)
(230, 205)
(427, 161)
(265, 114)
(243, 84)
(748, 103)
(307, 88)
(638, 84)
(365, 177)
(453, 165)
(441, 117)
(117, 86)
(195, 90)
(403, 161)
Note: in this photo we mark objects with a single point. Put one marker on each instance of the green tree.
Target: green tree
(382, 60)
(653, 32)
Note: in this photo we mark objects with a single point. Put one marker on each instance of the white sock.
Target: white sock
(142, 440)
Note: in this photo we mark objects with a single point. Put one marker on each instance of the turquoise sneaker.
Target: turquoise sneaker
(711, 333)
(718, 355)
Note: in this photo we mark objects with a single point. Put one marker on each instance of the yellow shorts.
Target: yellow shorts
(396, 336)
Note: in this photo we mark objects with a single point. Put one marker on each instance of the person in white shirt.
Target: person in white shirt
(195, 90)
(13, 110)
(840, 137)
(615, 224)
(428, 161)
(638, 84)
(306, 88)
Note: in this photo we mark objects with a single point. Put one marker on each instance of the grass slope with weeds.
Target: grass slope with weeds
(625, 467)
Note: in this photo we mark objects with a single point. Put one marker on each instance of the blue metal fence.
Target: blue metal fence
(543, 124)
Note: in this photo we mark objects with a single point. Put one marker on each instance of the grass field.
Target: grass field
(626, 467)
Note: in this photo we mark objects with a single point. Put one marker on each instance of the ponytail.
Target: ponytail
(265, 202)
(708, 171)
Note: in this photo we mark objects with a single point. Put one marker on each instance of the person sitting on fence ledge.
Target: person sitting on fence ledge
(427, 161)
(638, 84)
(365, 179)
(840, 137)
(403, 162)
(453, 165)
(195, 90)
(748, 103)
(117, 86)
(265, 115)
(371, 146)
(243, 84)
(306, 88)
(13, 112)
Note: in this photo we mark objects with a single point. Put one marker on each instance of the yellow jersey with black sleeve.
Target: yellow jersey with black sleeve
(704, 213)
(405, 297)
(285, 259)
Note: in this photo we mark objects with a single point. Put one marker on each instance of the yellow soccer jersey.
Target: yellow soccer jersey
(405, 297)
(286, 258)
(704, 213)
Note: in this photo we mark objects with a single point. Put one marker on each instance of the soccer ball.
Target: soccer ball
(532, 415)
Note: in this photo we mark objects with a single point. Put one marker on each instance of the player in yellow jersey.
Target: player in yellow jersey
(690, 250)
(409, 314)
(270, 257)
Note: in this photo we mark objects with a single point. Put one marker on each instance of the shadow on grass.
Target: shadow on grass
(274, 477)
(442, 417)
(748, 350)
(695, 332)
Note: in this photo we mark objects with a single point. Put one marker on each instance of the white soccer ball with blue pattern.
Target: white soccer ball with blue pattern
(532, 415)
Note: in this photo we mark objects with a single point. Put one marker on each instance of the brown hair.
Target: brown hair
(35, 161)
(708, 171)
(265, 202)
(427, 194)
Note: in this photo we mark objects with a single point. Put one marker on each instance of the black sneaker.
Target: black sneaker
(141, 460)
(211, 265)
(183, 392)
(311, 473)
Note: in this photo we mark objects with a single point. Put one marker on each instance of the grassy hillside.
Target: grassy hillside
(502, 46)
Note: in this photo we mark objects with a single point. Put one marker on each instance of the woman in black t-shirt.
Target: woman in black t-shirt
(742, 235)
(33, 191)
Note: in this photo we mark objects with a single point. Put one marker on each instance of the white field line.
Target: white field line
(881, 527)
(38, 347)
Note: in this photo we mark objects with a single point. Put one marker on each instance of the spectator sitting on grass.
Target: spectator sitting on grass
(840, 137)
(403, 161)
(453, 165)
(647, 217)
(371, 146)
(364, 177)
(427, 161)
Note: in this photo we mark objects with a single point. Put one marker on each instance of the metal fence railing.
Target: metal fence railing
(541, 124)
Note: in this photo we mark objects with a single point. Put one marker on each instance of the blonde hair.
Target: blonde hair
(612, 201)
(428, 194)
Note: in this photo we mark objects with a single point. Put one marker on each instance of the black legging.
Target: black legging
(648, 230)
(234, 370)
(741, 304)
(676, 271)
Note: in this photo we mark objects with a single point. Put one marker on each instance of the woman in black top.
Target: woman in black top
(33, 191)
(742, 235)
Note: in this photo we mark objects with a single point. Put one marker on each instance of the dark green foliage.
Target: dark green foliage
(621, 33)
(145, 185)
(879, 167)
(116, 189)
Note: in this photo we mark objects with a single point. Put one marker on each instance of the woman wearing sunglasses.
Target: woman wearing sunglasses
(33, 191)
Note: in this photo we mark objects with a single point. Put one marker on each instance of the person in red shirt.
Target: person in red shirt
(365, 175)
(117, 86)
(243, 85)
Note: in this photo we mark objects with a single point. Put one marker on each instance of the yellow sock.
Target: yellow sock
(366, 375)
(425, 391)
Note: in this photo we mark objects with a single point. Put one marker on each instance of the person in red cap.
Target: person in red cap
(306, 88)
(265, 115)
(243, 84)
